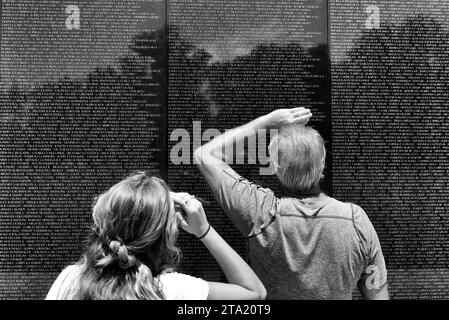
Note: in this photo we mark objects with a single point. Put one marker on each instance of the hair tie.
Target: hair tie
(125, 259)
(205, 234)
(115, 246)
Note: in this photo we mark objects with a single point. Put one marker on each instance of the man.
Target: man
(306, 245)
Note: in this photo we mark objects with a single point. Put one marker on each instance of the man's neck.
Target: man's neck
(313, 192)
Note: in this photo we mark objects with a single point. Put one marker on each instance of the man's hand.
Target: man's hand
(283, 117)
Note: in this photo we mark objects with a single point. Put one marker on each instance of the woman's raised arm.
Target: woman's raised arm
(243, 282)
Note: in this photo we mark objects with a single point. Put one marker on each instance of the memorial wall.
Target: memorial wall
(93, 90)
(81, 108)
(389, 128)
(230, 62)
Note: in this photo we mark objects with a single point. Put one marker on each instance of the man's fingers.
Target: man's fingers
(308, 115)
(302, 119)
(302, 112)
(296, 110)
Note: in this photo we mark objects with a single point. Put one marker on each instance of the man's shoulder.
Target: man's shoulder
(349, 210)
(323, 206)
(360, 220)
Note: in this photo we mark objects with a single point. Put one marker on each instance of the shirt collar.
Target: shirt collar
(312, 193)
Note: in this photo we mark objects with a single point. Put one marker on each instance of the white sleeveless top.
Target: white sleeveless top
(175, 286)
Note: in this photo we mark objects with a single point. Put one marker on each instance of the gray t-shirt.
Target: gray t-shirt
(312, 247)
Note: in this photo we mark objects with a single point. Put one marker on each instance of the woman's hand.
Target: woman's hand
(243, 282)
(283, 117)
(194, 221)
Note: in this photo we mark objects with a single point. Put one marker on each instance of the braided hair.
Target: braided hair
(132, 242)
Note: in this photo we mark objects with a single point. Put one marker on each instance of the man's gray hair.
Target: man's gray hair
(297, 155)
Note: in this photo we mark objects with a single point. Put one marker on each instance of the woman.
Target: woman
(132, 251)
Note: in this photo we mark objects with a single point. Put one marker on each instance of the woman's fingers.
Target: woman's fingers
(187, 202)
(180, 194)
(180, 198)
(182, 223)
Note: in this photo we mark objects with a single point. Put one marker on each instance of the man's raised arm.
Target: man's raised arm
(212, 158)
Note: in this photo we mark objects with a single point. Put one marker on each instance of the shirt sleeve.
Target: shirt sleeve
(60, 287)
(249, 206)
(374, 274)
(178, 286)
